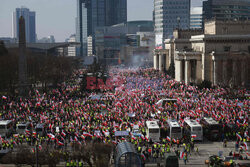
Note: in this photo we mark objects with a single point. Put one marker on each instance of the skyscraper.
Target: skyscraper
(226, 9)
(30, 24)
(196, 18)
(169, 15)
(97, 13)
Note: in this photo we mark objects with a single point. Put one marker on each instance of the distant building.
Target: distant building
(8, 40)
(196, 18)
(72, 50)
(110, 40)
(226, 9)
(30, 24)
(97, 13)
(49, 39)
(220, 54)
(169, 15)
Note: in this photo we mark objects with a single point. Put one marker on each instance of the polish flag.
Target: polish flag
(168, 138)
(27, 132)
(174, 140)
(193, 136)
(82, 137)
(181, 154)
(51, 136)
(238, 136)
(60, 143)
(63, 134)
(40, 147)
(76, 139)
(114, 142)
(4, 97)
(16, 135)
(245, 145)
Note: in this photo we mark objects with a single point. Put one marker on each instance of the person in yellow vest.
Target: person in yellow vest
(67, 164)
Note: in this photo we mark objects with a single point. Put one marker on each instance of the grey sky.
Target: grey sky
(57, 17)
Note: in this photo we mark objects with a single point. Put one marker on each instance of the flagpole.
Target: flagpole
(36, 154)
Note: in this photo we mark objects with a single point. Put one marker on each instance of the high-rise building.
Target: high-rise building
(169, 15)
(30, 24)
(196, 18)
(97, 13)
(226, 10)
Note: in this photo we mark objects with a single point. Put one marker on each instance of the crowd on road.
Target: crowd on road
(72, 116)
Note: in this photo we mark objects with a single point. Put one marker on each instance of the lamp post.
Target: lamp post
(178, 21)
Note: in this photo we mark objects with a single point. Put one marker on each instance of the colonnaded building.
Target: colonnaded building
(220, 53)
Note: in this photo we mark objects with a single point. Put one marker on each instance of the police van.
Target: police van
(21, 128)
(191, 128)
(211, 128)
(6, 128)
(174, 129)
(153, 131)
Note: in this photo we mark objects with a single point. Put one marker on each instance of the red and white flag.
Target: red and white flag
(181, 154)
(168, 138)
(194, 136)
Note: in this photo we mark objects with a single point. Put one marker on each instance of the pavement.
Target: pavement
(206, 149)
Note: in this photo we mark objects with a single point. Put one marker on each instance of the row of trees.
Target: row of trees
(42, 69)
(93, 154)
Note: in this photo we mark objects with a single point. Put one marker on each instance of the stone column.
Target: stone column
(224, 73)
(198, 71)
(242, 71)
(155, 62)
(160, 62)
(234, 72)
(187, 71)
(215, 72)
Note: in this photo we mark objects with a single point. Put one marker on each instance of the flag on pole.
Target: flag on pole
(181, 154)
(245, 145)
(238, 136)
(168, 138)
(194, 136)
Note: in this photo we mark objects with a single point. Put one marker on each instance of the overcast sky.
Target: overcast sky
(57, 17)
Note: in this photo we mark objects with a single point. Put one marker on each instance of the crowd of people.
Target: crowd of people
(82, 119)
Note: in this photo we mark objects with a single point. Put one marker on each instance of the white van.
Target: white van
(22, 127)
(6, 128)
(153, 131)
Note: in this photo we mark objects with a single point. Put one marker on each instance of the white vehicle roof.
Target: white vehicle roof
(5, 122)
(163, 100)
(152, 124)
(173, 123)
(192, 123)
(210, 121)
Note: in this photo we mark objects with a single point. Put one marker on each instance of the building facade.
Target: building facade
(72, 50)
(226, 9)
(110, 40)
(196, 18)
(169, 15)
(30, 24)
(221, 54)
(97, 13)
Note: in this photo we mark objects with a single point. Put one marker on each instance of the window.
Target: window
(197, 129)
(227, 48)
(21, 127)
(2, 126)
(153, 130)
(176, 129)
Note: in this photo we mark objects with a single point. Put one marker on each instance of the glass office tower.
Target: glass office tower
(30, 24)
(97, 13)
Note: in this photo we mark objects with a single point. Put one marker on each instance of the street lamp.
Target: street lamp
(178, 21)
